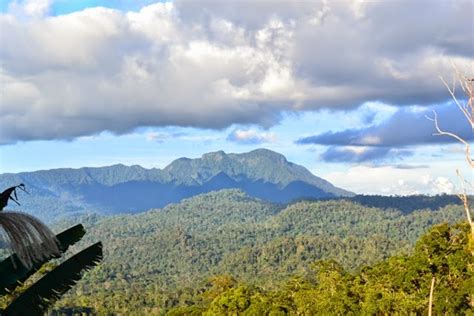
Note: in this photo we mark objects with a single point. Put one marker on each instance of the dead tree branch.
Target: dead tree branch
(440, 132)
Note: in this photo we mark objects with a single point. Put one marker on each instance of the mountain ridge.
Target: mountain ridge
(261, 173)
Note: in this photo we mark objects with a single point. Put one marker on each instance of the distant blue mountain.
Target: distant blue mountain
(130, 189)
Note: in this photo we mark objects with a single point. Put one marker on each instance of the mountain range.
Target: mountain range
(114, 189)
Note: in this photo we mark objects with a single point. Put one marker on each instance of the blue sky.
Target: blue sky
(60, 7)
(95, 83)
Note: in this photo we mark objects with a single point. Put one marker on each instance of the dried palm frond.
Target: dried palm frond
(28, 237)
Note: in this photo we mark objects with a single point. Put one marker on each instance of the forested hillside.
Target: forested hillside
(172, 257)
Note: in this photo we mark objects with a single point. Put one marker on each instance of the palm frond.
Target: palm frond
(28, 237)
(13, 272)
(41, 295)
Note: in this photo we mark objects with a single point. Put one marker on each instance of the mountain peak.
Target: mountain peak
(266, 154)
(261, 173)
(216, 155)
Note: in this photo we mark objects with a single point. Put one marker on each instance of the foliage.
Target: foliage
(37, 298)
(399, 285)
(181, 256)
(32, 290)
(12, 270)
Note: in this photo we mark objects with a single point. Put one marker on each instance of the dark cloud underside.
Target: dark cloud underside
(213, 64)
(405, 127)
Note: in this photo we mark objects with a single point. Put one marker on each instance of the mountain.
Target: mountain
(130, 189)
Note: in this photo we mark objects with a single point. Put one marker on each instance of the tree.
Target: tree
(467, 108)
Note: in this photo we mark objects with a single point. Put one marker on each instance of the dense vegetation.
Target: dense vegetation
(399, 285)
(227, 252)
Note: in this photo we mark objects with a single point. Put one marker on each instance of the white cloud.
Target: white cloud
(210, 64)
(251, 136)
(161, 137)
(30, 8)
(370, 140)
(37, 8)
(389, 180)
(444, 185)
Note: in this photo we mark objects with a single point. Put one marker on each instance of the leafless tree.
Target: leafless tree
(467, 108)
(466, 105)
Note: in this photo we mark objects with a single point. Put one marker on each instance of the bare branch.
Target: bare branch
(464, 108)
(430, 306)
(463, 197)
(467, 146)
(468, 110)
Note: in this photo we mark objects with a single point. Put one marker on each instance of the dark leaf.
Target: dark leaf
(41, 295)
(13, 272)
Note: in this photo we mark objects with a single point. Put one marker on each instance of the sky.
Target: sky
(344, 88)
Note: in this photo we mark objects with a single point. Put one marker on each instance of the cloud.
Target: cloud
(30, 8)
(408, 126)
(409, 167)
(390, 180)
(362, 154)
(369, 117)
(443, 185)
(251, 136)
(161, 137)
(211, 65)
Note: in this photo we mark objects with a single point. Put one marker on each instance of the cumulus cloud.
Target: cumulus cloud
(444, 185)
(251, 136)
(213, 64)
(390, 180)
(30, 8)
(408, 126)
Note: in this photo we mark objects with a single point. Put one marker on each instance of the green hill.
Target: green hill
(160, 258)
